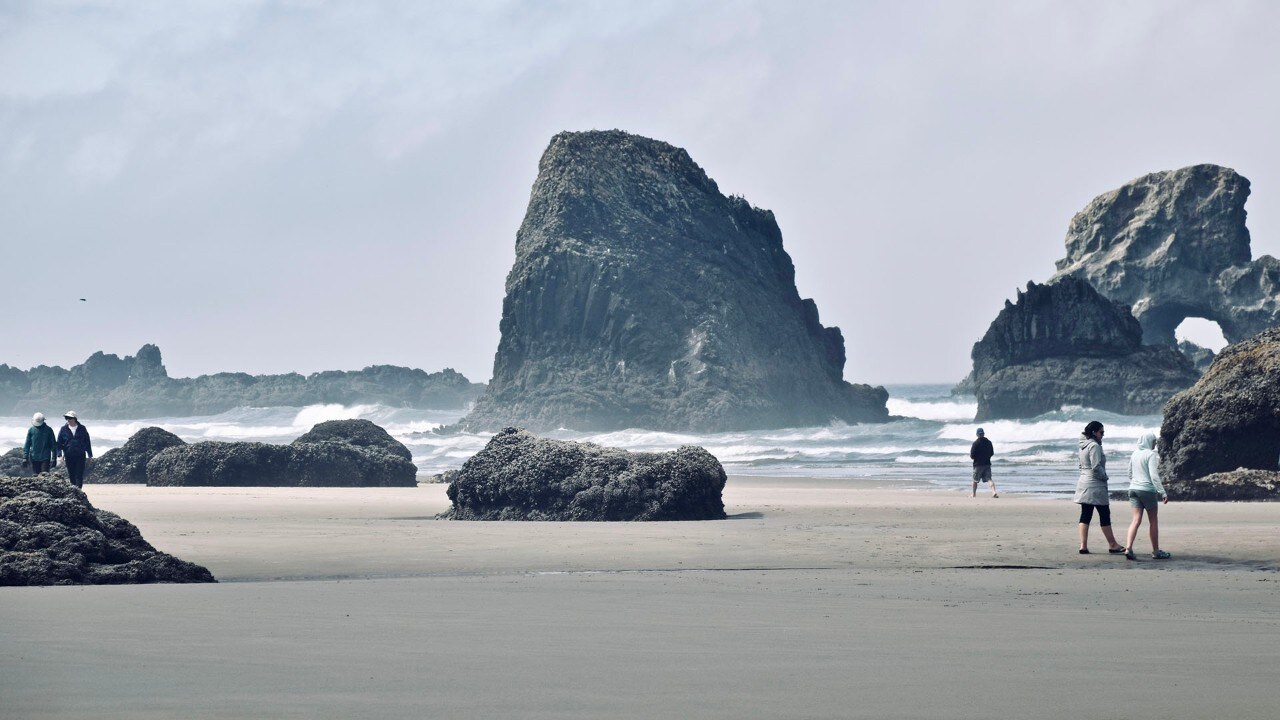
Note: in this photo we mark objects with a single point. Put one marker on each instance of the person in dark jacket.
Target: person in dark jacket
(74, 448)
(980, 452)
(41, 448)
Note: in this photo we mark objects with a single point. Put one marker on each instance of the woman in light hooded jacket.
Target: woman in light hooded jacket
(1144, 488)
(1091, 488)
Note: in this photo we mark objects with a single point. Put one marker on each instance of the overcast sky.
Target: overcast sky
(280, 186)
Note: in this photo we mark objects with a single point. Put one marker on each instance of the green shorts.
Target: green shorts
(981, 473)
(1145, 499)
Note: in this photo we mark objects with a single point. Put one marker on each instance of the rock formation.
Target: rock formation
(1228, 420)
(139, 386)
(128, 463)
(326, 459)
(1064, 344)
(643, 297)
(51, 535)
(519, 476)
(361, 433)
(1174, 245)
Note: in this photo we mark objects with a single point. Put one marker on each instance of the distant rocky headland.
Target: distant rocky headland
(643, 297)
(138, 386)
(1163, 248)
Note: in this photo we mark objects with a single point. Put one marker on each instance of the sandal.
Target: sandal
(1084, 551)
(1130, 556)
(1118, 550)
(1161, 555)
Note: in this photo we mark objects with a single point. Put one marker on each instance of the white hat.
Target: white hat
(37, 419)
(69, 414)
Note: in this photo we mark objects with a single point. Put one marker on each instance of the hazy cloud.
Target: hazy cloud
(271, 186)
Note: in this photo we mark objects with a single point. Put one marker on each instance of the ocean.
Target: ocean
(929, 444)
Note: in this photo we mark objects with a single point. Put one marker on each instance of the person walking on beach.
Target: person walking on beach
(1091, 488)
(980, 452)
(1144, 488)
(74, 447)
(41, 448)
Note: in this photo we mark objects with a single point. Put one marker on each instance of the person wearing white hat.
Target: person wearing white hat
(74, 447)
(41, 448)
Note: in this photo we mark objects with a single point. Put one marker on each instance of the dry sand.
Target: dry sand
(816, 599)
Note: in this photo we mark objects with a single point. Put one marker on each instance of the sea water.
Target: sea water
(928, 443)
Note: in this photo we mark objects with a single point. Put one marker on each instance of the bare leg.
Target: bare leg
(1084, 536)
(1133, 527)
(974, 493)
(993, 488)
(1111, 538)
(1154, 529)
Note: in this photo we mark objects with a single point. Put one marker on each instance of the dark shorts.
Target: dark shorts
(1145, 499)
(981, 473)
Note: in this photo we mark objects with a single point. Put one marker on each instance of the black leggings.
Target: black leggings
(1104, 514)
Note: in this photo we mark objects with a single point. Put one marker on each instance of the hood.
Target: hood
(1086, 441)
(1147, 441)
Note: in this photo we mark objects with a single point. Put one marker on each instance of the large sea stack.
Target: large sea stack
(643, 297)
(1220, 439)
(1065, 344)
(1174, 245)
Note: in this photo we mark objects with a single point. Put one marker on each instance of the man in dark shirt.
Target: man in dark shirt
(981, 453)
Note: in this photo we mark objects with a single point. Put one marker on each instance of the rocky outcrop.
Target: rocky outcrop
(329, 462)
(11, 466)
(519, 476)
(1235, 486)
(643, 297)
(1174, 245)
(1064, 344)
(128, 463)
(1201, 357)
(361, 433)
(51, 535)
(1229, 420)
(139, 386)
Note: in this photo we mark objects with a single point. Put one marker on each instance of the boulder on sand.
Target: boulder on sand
(331, 462)
(519, 476)
(128, 463)
(51, 535)
(1228, 421)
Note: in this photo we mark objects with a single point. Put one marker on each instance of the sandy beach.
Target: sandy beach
(817, 598)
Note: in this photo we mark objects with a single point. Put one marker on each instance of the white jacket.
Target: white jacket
(1144, 473)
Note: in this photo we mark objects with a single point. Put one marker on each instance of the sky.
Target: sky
(299, 186)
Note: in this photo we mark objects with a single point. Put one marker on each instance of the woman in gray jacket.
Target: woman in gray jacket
(1091, 488)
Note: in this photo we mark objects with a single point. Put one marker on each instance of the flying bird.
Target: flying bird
(82, 300)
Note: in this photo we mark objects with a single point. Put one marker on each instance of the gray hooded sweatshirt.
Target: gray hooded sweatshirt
(1091, 488)
(1144, 471)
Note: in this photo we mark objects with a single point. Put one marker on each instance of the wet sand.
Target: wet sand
(815, 599)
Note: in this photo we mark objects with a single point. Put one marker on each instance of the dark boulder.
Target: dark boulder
(1174, 245)
(332, 462)
(51, 535)
(519, 476)
(1229, 420)
(11, 466)
(1063, 343)
(361, 433)
(128, 463)
(641, 296)
(1237, 485)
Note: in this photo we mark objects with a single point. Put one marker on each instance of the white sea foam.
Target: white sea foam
(945, 410)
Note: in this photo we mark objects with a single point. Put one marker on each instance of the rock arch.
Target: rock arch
(1174, 245)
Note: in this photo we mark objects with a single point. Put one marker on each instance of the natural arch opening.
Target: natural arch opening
(1202, 332)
